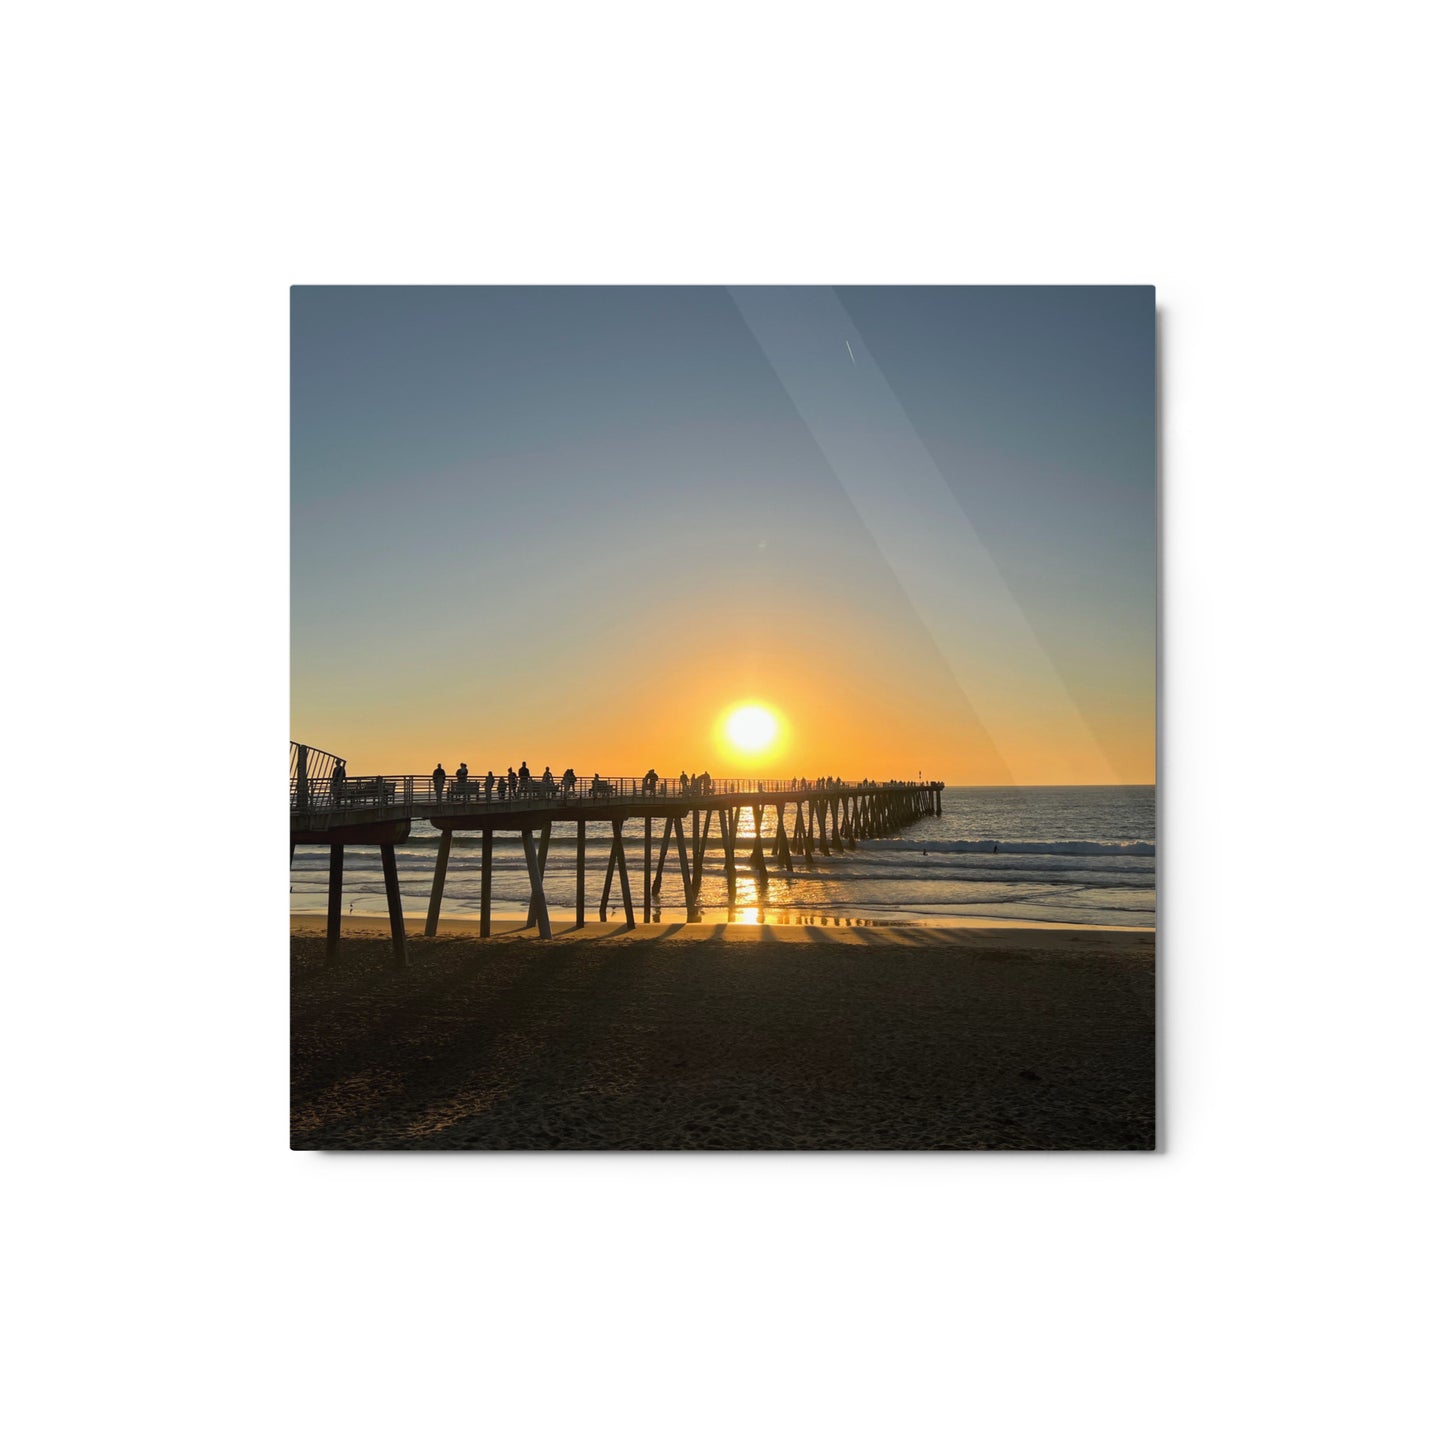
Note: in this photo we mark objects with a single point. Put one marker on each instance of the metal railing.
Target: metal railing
(424, 793)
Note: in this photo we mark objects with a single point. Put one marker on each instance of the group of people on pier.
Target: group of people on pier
(518, 783)
(695, 786)
(514, 783)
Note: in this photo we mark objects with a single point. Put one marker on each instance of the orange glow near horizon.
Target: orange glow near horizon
(838, 720)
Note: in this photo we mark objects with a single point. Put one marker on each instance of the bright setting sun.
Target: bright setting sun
(751, 729)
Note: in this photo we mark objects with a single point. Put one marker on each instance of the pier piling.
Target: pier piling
(393, 903)
(333, 900)
(439, 878)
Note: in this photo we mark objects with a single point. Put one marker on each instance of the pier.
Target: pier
(812, 821)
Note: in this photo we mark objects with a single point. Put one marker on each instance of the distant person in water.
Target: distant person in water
(438, 778)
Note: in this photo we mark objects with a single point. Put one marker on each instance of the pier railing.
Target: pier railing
(423, 792)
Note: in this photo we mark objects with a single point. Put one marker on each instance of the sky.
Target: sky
(578, 525)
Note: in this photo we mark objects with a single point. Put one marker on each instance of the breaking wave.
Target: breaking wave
(1062, 846)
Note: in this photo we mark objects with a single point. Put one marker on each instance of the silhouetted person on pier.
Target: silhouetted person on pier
(512, 781)
(524, 777)
(682, 783)
(338, 782)
(438, 779)
(462, 781)
(707, 782)
(569, 781)
(596, 785)
(488, 784)
(649, 782)
(548, 787)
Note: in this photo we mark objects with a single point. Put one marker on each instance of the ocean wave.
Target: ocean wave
(1066, 847)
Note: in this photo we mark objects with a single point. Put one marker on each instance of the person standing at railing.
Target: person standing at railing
(338, 782)
(512, 781)
(461, 781)
(438, 781)
(524, 779)
(488, 784)
(548, 787)
(569, 782)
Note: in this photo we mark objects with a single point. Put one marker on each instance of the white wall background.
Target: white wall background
(177, 1274)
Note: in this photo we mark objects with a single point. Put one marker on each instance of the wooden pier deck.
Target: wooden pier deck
(817, 819)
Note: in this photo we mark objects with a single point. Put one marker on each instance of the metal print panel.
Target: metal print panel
(723, 718)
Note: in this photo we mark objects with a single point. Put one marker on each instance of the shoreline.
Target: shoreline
(504, 925)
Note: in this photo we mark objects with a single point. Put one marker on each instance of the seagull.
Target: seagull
(851, 357)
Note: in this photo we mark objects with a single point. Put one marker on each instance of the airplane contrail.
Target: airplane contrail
(851, 357)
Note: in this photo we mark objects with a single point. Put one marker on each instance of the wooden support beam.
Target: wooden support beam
(728, 823)
(661, 857)
(760, 867)
(542, 852)
(689, 892)
(784, 852)
(486, 928)
(581, 872)
(607, 884)
(393, 903)
(647, 865)
(539, 899)
(438, 882)
(333, 900)
(620, 853)
(699, 849)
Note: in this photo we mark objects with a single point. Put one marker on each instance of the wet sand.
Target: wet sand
(713, 1036)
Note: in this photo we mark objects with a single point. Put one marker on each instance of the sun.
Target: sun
(751, 729)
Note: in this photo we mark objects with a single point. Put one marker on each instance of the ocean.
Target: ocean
(1053, 855)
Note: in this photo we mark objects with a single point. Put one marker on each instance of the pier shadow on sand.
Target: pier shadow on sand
(689, 1039)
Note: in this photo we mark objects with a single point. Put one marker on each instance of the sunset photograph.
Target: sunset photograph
(722, 717)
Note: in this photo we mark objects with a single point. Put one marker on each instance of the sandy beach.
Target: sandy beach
(720, 1036)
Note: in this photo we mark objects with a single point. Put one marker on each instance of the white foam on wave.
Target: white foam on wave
(1080, 848)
